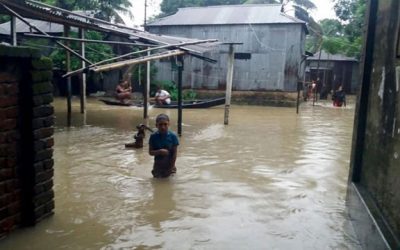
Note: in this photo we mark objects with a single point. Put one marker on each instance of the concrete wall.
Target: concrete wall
(26, 138)
(276, 52)
(374, 195)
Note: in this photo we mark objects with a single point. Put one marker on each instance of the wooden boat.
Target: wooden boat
(197, 104)
(113, 101)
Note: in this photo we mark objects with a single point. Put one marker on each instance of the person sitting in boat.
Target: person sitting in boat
(339, 97)
(162, 96)
(123, 91)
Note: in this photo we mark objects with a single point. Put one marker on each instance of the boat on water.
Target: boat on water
(195, 104)
(115, 102)
(200, 104)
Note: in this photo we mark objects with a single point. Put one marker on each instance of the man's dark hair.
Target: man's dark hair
(162, 117)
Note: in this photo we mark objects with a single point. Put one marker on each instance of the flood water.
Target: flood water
(271, 179)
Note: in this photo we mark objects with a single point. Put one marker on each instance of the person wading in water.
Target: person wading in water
(163, 145)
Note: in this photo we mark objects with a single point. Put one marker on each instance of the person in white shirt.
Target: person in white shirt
(162, 96)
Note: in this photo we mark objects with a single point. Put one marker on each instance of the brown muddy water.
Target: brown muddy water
(271, 179)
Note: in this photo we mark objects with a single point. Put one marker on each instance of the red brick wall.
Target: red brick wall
(10, 213)
(26, 138)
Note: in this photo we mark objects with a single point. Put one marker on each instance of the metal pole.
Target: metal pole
(180, 69)
(229, 78)
(83, 82)
(68, 68)
(13, 31)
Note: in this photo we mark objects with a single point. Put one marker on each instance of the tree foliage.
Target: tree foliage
(345, 34)
(107, 9)
(94, 51)
(169, 7)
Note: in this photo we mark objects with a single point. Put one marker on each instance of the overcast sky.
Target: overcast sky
(324, 10)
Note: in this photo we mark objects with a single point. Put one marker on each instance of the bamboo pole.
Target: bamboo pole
(13, 31)
(315, 89)
(229, 79)
(83, 77)
(138, 60)
(44, 33)
(180, 69)
(83, 40)
(68, 68)
(299, 85)
(140, 52)
(147, 90)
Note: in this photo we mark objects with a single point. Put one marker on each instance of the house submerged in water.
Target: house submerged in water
(270, 58)
(333, 70)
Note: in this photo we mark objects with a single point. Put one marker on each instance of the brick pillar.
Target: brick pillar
(26, 138)
(10, 198)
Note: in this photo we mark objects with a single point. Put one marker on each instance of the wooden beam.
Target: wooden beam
(117, 65)
(229, 79)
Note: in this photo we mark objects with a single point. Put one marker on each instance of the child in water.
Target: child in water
(163, 145)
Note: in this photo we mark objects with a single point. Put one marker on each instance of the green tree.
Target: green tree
(345, 34)
(169, 7)
(108, 9)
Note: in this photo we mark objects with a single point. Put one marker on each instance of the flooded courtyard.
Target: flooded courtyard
(271, 179)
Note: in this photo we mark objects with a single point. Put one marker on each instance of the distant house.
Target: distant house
(333, 70)
(270, 58)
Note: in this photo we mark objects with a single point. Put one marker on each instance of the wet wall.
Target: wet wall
(274, 50)
(26, 138)
(374, 196)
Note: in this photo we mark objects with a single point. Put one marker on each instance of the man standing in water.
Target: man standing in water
(163, 145)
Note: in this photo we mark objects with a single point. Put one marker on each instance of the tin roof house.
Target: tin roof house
(333, 70)
(271, 56)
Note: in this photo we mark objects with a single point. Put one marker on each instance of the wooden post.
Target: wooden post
(83, 80)
(299, 87)
(229, 78)
(316, 86)
(68, 68)
(13, 31)
(147, 90)
(180, 69)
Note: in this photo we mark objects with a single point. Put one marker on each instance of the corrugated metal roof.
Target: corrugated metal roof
(47, 27)
(228, 14)
(330, 57)
(24, 28)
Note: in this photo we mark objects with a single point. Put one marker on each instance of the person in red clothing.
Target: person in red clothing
(339, 97)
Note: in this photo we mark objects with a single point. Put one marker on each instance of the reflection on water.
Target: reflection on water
(269, 180)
